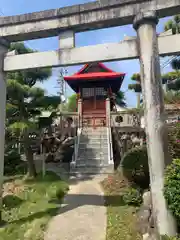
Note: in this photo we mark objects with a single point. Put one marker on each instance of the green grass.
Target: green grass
(28, 206)
(121, 218)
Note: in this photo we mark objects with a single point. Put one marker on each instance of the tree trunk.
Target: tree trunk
(29, 156)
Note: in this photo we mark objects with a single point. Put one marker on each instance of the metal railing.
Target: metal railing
(77, 141)
(109, 133)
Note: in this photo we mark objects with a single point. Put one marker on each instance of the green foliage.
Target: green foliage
(172, 188)
(120, 99)
(29, 77)
(136, 86)
(12, 160)
(72, 103)
(60, 193)
(11, 201)
(132, 196)
(174, 140)
(173, 24)
(25, 102)
(170, 238)
(46, 102)
(175, 64)
(172, 97)
(31, 206)
(135, 166)
(170, 76)
(121, 220)
(136, 77)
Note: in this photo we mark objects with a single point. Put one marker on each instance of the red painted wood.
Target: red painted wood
(95, 76)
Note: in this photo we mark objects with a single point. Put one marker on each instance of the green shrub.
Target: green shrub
(12, 160)
(11, 201)
(135, 166)
(132, 196)
(174, 140)
(172, 188)
(169, 238)
(60, 193)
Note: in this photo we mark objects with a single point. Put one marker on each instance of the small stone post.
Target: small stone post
(3, 50)
(108, 112)
(79, 113)
(156, 129)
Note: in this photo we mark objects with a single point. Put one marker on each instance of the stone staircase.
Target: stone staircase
(93, 152)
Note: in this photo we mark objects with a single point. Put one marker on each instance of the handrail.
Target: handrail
(76, 147)
(77, 141)
(79, 131)
(110, 139)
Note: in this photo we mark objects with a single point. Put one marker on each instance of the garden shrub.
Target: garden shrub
(12, 160)
(174, 140)
(11, 201)
(172, 188)
(133, 196)
(170, 238)
(58, 191)
(135, 166)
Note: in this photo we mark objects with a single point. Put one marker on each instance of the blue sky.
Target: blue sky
(13, 7)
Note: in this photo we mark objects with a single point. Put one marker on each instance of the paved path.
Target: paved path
(83, 214)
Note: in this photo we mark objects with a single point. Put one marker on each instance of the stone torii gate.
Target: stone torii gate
(65, 22)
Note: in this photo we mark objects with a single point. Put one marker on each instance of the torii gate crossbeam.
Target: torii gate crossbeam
(128, 49)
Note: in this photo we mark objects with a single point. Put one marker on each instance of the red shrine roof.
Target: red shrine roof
(95, 72)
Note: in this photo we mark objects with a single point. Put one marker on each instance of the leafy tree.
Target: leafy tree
(173, 78)
(29, 77)
(120, 99)
(72, 103)
(25, 102)
(173, 24)
(172, 97)
(137, 85)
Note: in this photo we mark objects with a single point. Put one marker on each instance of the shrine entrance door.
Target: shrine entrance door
(93, 107)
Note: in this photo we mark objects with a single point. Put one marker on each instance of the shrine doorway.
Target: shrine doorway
(94, 107)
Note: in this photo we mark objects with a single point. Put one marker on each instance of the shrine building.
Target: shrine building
(95, 85)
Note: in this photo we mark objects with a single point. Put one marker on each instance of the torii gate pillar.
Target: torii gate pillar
(156, 130)
(3, 50)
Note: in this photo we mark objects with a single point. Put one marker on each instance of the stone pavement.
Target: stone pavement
(83, 214)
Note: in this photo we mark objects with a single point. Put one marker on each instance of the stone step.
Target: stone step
(97, 147)
(84, 156)
(84, 159)
(94, 139)
(93, 145)
(94, 136)
(91, 165)
(92, 170)
(94, 133)
(88, 164)
(95, 130)
(92, 154)
(91, 129)
(89, 151)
